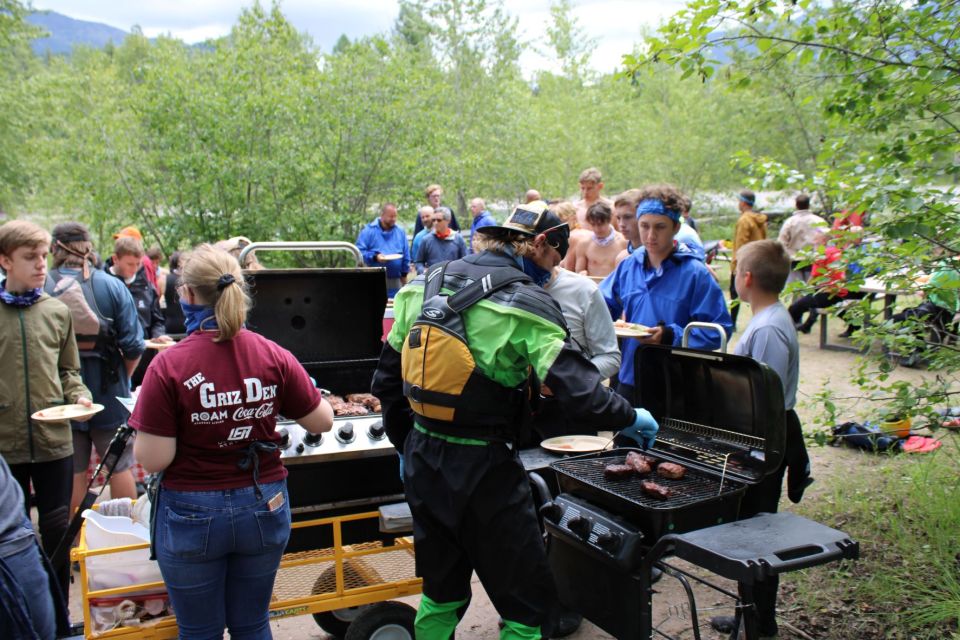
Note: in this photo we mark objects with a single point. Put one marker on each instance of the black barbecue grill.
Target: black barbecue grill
(332, 322)
(722, 417)
(701, 498)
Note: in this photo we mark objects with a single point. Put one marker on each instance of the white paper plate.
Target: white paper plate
(391, 256)
(156, 344)
(631, 330)
(66, 412)
(575, 444)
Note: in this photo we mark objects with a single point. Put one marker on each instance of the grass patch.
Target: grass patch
(904, 510)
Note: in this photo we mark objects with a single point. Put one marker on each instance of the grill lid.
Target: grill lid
(719, 410)
(320, 315)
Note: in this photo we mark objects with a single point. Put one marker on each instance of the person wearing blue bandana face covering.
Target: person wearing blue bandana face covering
(663, 285)
(206, 417)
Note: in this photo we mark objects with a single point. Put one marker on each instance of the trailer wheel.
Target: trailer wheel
(337, 622)
(383, 621)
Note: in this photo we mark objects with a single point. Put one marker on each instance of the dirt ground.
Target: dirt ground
(671, 611)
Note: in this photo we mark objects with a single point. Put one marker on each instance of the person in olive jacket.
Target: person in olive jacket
(41, 369)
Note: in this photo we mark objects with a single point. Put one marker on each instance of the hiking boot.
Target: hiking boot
(567, 623)
(723, 624)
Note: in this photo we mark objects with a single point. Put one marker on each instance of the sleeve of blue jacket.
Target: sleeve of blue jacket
(405, 263)
(368, 247)
(610, 289)
(707, 305)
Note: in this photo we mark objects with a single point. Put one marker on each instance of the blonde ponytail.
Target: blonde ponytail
(215, 278)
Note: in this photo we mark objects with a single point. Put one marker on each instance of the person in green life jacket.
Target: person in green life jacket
(467, 490)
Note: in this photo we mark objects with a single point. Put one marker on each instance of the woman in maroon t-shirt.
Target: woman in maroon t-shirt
(206, 418)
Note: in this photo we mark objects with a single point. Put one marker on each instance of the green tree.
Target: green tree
(16, 64)
(569, 41)
(890, 139)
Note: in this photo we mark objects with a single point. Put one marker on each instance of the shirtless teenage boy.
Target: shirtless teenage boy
(591, 184)
(597, 256)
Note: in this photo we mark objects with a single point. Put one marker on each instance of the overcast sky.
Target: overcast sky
(616, 24)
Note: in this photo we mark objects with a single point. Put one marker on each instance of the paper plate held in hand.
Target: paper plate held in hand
(66, 412)
(158, 345)
(391, 256)
(630, 330)
(575, 444)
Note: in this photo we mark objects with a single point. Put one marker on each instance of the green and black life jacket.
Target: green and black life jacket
(441, 380)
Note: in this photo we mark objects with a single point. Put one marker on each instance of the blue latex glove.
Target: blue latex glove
(401, 468)
(643, 430)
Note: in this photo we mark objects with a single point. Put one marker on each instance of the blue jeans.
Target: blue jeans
(219, 552)
(26, 604)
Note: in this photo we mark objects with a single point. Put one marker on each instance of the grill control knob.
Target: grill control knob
(312, 439)
(609, 541)
(551, 511)
(284, 438)
(300, 448)
(580, 526)
(345, 433)
(377, 430)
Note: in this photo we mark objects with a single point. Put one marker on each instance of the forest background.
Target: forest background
(260, 134)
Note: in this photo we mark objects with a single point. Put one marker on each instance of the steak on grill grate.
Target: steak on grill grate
(368, 400)
(618, 471)
(350, 409)
(641, 464)
(655, 490)
(671, 470)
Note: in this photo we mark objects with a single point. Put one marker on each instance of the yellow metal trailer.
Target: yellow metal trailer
(328, 583)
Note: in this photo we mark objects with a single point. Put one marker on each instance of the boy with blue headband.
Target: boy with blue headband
(663, 284)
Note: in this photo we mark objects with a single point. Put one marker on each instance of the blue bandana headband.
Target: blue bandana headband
(655, 207)
(745, 200)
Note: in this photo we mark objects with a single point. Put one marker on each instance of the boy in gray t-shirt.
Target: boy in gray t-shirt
(770, 338)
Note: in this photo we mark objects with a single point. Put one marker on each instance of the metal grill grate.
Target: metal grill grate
(694, 487)
(709, 445)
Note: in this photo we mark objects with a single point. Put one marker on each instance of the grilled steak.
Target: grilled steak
(671, 470)
(618, 471)
(368, 400)
(655, 490)
(640, 463)
(350, 409)
(334, 400)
